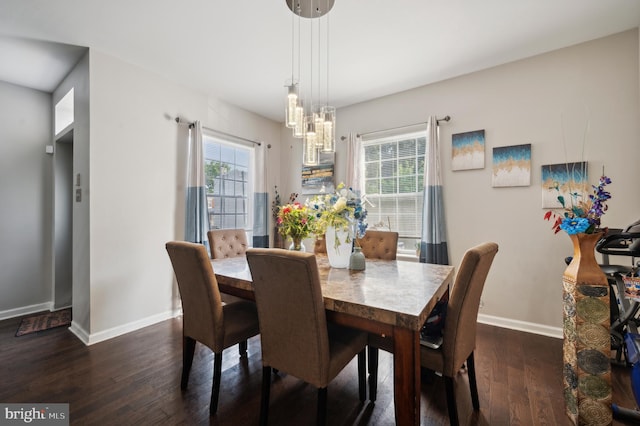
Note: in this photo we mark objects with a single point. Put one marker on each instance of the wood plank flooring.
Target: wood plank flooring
(135, 380)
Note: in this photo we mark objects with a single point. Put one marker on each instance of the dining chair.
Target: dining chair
(205, 318)
(225, 243)
(379, 244)
(296, 338)
(459, 333)
(320, 245)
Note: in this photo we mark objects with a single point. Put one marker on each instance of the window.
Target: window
(229, 184)
(393, 182)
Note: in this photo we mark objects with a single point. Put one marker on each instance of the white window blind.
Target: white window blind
(394, 180)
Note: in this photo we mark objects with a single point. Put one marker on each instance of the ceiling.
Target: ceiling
(240, 51)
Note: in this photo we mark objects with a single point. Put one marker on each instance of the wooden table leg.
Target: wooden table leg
(406, 376)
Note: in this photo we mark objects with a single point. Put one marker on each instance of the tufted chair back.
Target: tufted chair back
(379, 245)
(227, 243)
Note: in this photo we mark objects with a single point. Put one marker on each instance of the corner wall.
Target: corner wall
(25, 170)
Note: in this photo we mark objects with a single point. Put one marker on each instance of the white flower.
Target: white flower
(340, 205)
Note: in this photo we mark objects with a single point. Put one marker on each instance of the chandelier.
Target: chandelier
(313, 119)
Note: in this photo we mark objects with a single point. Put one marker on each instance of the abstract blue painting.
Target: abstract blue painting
(568, 180)
(467, 150)
(511, 166)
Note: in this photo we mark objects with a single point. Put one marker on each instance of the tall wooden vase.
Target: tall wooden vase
(587, 347)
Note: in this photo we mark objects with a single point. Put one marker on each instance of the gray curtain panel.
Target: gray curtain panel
(433, 247)
(196, 215)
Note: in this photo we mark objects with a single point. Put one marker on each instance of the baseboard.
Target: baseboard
(25, 310)
(79, 332)
(124, 329)
(528, 327)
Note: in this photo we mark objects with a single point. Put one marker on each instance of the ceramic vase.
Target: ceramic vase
(338, 243)
(357, 261)
(586, 345)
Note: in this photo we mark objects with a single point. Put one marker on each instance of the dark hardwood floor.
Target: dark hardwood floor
(135, 380)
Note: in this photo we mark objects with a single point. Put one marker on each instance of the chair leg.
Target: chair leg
(321, 417)
(215, 388)
(451, 401)
(473, 385)
(242, 348)
(266, 389)
(373, 373)
(188, 349)
(362, 375)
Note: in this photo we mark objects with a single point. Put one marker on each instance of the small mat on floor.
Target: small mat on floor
(44, 321)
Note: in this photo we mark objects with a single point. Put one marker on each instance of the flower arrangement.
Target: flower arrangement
(582, 215)
(296, 221)
(344, 210)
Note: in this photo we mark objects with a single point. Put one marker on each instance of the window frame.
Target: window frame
(408, 242)
(217, 198)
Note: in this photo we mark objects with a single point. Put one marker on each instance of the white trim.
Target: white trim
(123, 329)
(528, 327)
(79, 332)
(25, 310)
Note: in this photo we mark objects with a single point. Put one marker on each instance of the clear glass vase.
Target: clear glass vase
(297, 245)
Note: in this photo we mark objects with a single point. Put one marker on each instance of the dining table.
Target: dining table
(391, 299)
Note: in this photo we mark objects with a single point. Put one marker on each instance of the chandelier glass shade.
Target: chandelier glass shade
(315, 121)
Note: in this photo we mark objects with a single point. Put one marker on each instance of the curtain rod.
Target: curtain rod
(181, 121)
(438, 120)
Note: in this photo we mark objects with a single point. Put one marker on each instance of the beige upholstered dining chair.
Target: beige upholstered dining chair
(205, 318)
(227, 243)
(379, 244)
(296, 338)
(459, 334)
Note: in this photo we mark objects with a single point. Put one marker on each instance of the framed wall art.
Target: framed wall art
(315, 179)
(568, 180)
(511, 166)
(467, 150)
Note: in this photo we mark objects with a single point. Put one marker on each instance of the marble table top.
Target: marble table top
(397, 293)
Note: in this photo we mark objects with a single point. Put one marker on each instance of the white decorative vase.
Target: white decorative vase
(338, 247)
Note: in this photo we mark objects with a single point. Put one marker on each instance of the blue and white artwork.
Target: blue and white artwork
(511, 166)
(467, 150)
(568, 180)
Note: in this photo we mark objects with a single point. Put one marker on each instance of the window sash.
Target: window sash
(394, 183)
(229, 183)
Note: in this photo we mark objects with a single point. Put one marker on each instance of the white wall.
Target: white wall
(548, 101)
(137, 187)
(25, 244)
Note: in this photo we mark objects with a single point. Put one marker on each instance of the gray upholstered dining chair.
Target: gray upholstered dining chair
(296, 338)
(205, 318)
(379, 244)
(459, 333)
